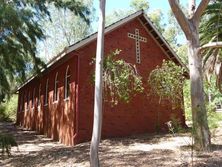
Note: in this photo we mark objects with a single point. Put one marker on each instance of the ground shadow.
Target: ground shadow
(113, 152)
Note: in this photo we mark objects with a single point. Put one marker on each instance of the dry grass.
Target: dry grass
(142, 150)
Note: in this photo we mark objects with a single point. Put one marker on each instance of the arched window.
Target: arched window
(33, 98)
(39, 96)
(67, 83)
(56, 87)
(46, 92)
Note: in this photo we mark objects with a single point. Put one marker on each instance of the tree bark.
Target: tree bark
(199, 113)
(97, 121)
(190, 28)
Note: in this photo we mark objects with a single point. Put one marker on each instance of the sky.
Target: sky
(112, 5)
(125, 4)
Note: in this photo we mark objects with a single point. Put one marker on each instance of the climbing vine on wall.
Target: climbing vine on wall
(121, 82)
(166, 81)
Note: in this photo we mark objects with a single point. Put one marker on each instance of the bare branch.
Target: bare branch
(202, 6)
(210, 45)
(181, 18)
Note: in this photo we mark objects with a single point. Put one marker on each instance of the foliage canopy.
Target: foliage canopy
(211, 31)
(121, 82)
(19, 33)
(167, 82)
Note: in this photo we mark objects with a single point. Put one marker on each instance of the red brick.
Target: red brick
(71, 121)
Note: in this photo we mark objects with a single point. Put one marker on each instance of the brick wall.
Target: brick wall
(143, 114)
(70, 121)
(56, 119)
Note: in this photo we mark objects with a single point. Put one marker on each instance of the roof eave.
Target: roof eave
(84, 42)
(165, 42)
(108, 29)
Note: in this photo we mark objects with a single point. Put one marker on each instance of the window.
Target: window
(39, 96)
(46, 92)
(33, 98)
(56, 84)
(67, 83)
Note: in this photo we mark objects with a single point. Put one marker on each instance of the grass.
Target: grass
(8, 109)
(214, 119)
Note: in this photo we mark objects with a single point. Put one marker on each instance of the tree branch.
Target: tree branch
(181, 18)
(210, 45)
(202, 6)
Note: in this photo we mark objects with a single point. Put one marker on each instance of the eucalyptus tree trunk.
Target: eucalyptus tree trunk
(199, 112)
(97, 121)
(190, 27)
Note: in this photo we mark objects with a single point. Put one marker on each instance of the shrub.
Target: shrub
(8, 109)
(166, 81)
(174, 125)
(6, 142)
(121, 82)
(213, 117)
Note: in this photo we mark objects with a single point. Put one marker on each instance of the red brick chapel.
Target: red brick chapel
(59, 102)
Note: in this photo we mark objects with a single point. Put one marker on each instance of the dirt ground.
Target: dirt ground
(143, 150)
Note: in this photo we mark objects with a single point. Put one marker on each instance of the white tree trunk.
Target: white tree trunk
(199, 112)
(97, 121)
(190, 28)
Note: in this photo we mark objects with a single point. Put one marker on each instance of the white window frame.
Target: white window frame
(46, 92)
(56, 89)
(33, 99)
(66, 96)
(39, 97)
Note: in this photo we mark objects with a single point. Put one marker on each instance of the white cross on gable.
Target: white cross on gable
(138, 39)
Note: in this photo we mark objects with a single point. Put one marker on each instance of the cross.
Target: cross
(138, 39)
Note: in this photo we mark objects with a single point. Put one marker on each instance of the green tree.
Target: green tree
(156, 16)
(211, 30)
(173, 34)
(182, 53)
(19, 33)
(167, 81)
(139, 5)
(8, 109)
(190, 26)
(120, 79)
(68, 27)
(118, 14)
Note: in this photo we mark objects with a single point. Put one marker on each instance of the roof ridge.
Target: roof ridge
(111, 27)
(93, 33)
